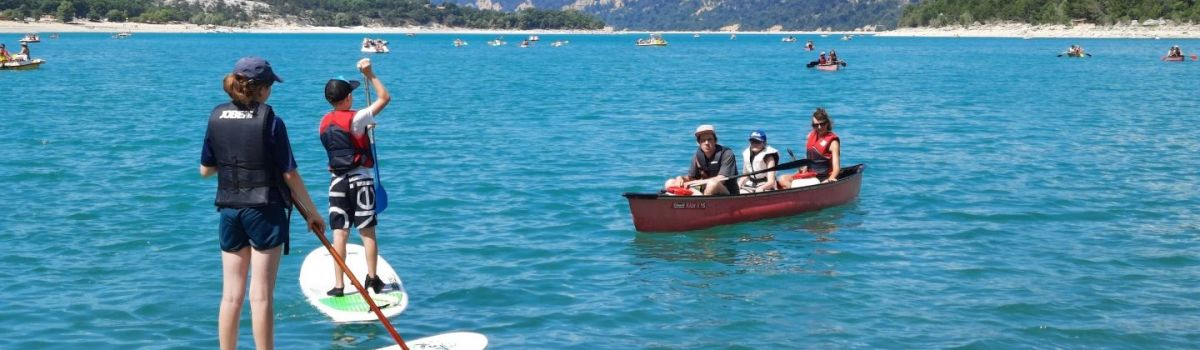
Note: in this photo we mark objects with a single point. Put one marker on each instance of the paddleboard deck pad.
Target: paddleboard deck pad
(447, 341)
(316, 278)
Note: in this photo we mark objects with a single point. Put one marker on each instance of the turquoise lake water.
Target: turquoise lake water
(1012, 199)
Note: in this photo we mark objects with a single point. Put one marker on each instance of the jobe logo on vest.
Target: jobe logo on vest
(236, 115)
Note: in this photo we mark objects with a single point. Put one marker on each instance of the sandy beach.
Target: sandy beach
(1019, 30)
(1004, 30)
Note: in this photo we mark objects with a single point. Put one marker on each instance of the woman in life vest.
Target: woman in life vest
(823, 148)
(758, 156)
(352, 184)
(4, 55)
(247, 147)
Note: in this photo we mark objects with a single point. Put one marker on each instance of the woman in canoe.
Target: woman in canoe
(823, 148)
(756, 157)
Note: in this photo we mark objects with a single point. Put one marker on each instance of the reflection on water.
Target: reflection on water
(351, 335)
(801, 244)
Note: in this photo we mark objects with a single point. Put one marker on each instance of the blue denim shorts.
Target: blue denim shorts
(260, 227)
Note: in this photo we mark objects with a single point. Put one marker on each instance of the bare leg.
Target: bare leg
(716, 188)
(262, 295)
(368, 238)
(785, 182)
(233, 292)
(339, 245)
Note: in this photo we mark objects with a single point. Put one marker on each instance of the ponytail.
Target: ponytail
(243, 91)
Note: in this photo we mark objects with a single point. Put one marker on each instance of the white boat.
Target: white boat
(559, 43)
(22, 64)
(122, 35)
(524, 43)
(460, 43)
(375, 46)
(533, 38)
(497, 42)
(31, 38)
(790, 39)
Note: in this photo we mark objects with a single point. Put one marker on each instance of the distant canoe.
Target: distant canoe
(1173, 59)
(654, 212)
(22, 65)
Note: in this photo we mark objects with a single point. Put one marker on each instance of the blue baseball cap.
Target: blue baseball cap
(256, 69)
(758, 135)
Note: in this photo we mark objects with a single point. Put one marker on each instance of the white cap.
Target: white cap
(705, 128)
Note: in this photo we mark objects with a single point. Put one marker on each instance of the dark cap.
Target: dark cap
(255, 69)
(337, 89)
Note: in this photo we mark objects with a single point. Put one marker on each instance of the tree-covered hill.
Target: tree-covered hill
(314, 12)
(966, 12)
(715, 14)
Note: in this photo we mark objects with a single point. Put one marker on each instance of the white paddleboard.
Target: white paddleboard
(316, 278)
(446, 341)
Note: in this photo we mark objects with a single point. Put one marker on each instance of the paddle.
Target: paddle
(354, 280)
(790, 154)
(381, 196)
(812, 64)
(785, 166)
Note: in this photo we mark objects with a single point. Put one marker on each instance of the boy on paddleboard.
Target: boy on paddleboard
(351, 188)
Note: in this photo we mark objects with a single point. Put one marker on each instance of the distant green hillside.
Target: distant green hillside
(966, 12)
(715, 14)
(340, 13)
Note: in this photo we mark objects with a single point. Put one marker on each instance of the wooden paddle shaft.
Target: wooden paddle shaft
(362, 291)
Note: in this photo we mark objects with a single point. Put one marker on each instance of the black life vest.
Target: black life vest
(345, 150)
(246, 173)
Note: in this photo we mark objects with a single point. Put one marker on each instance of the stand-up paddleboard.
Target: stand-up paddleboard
(316, 278)
(446, 341)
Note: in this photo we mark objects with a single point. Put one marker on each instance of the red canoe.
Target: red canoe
(1173, 59)
(653, 212)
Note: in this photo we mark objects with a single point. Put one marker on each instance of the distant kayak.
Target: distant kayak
(653, 212)
(21, 65)
(1174, 59)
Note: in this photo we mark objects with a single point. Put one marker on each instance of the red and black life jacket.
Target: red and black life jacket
(345, 150)
(819, 153)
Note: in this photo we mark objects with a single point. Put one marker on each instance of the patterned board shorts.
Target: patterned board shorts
(352, 201)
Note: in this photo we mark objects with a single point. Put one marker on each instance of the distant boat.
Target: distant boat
(790, 39)
(22, 64)
(53, 35)
(459, 43)
(732, 36)
(533, 38)
(410, 35)
(559, 43)
(654, 40)
(122, 35)
(497, 42)
(697, 35)
(375, 46)
(524, 43)
(31, 38)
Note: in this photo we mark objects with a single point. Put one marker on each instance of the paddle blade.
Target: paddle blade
(381, 196)
(812, 64)
(843, 63)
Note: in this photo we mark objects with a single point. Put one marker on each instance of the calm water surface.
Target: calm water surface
(1012, 199)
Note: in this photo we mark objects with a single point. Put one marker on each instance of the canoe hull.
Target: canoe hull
(663, 213)
(1173, 59)
(829, 67)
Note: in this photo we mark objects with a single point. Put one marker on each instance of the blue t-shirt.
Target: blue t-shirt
(277, 143)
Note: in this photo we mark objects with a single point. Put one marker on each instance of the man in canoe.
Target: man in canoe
(712, 168)
(758, 156)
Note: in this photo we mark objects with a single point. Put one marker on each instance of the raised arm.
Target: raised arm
(382, 97)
